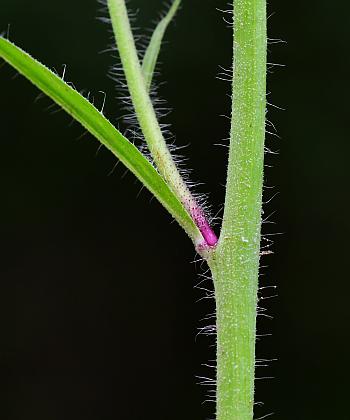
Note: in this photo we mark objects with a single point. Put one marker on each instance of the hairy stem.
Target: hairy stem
(147, 117)
(235, 263)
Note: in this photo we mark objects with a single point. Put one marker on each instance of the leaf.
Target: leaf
(94, 121)
(153, 49)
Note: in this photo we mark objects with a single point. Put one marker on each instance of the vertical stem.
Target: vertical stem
(235, 263)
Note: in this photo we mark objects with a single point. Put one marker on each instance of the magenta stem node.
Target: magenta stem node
(203, 225)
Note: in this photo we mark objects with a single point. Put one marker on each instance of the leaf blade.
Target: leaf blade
(93, 120)
(151, 56)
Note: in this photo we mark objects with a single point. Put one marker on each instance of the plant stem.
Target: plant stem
(235, 262)
(148, 121)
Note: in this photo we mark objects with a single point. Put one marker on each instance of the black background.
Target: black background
(99, 312)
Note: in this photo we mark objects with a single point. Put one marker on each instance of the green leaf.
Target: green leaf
(94, 121)
(153, 49)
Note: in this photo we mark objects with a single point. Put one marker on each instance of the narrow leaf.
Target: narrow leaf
(152, 52)
(94, 121)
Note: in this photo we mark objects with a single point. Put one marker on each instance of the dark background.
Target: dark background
(99, 312)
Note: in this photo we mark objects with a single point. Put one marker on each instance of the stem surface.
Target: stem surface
(148, 121)
(235, 262)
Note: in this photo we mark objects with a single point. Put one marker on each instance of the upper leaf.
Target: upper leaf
(152, 52)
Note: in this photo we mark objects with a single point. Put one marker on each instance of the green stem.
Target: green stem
(235, 262)
(143, 105)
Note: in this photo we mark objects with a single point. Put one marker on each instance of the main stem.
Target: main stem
(235, 262)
